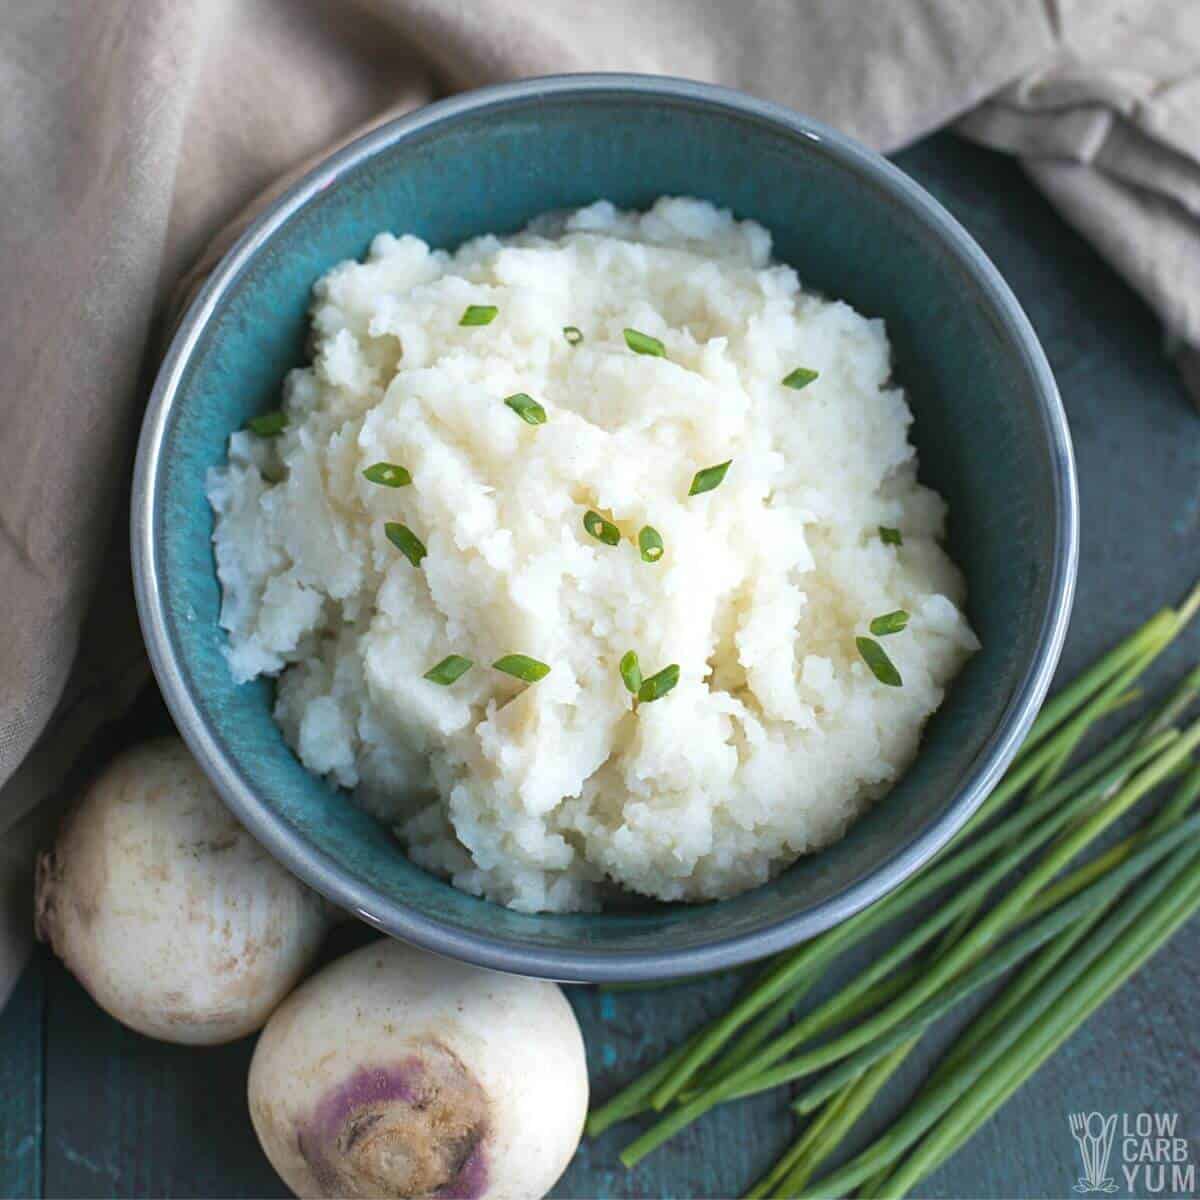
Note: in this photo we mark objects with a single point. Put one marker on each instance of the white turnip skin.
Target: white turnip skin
(166, 910)
(395, 1073)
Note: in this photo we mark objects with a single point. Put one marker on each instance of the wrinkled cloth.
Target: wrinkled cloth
(133, 131)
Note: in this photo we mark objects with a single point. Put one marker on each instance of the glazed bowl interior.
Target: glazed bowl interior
(989, 431)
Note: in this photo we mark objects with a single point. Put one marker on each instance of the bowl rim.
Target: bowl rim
(582, 964)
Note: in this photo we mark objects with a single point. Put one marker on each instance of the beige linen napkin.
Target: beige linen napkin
(132, 131)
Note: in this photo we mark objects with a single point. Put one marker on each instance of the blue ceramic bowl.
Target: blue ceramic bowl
(989, 427)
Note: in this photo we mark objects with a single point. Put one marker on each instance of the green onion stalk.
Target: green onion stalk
(1080, 913)
(1040, 1044)
(1094, 906)
(1026, 983)
(1056, 807)
(1128, 935)
(905, 1014)
(1063, 890)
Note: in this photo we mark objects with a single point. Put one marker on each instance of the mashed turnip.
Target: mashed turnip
(541, 796)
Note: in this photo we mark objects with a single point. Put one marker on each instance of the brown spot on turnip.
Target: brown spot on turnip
(214, 845)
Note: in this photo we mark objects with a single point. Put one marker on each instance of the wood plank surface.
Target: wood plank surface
(21, 1088)
(124, 1116)
(627, 1031)
(127, 1116)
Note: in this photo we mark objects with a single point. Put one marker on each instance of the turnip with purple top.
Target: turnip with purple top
(394, 1073)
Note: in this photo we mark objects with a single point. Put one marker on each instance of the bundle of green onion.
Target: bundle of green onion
(1079, 936)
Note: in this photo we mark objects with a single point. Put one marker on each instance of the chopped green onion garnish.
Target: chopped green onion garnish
(892, 622)
(643, 343)
(573, 334)
(882, 667)
(889, 536)
(521, 666)
(602, 530)
(453, 667)
(631, 671)
(650, 543)
(388, 474)
(527, 408)
(478, 314)
(268, 424)
(658, 685)
(406, 542)
(801, 377)
(709, 478)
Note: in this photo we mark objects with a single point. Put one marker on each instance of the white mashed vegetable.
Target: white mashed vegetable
(541, 796)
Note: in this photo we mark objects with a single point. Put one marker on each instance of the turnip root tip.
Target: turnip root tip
(418, 1128)
(166, 910)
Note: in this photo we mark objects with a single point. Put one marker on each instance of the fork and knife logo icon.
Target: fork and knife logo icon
(1094, 1134)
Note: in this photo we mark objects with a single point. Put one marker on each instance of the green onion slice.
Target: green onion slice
(709, 478)
(268, 424)
(893, 622)
(889, 536)
(657, 686)
(527, 408)
(643, 343)
(388, 474)
(602, 530)
(521, 666)
(452, 668)
(631, 671)
(882, 667)
(406, 542)
(478, 314)
(573, 334)
(801, 377)
(650, 543)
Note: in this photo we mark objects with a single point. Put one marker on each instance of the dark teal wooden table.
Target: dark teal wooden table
(89, 1109)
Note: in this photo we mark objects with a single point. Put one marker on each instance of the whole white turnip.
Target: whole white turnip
(166, 910)
(394, 1073)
